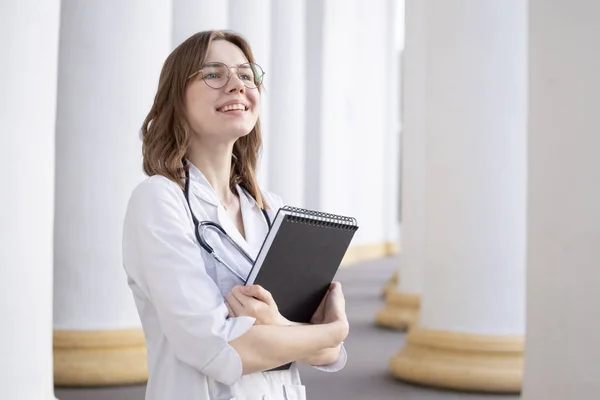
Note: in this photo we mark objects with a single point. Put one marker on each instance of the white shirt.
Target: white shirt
(179, 291)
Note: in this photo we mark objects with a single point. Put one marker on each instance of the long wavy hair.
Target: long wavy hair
(166, 133)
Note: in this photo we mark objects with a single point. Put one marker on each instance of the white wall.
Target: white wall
(192, 16)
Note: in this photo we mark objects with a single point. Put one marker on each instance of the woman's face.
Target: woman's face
(227, 113)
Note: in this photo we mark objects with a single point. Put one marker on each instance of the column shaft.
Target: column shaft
(403, 300)
(287, 101)
(562, 352)
(29, 43)
(192, 16)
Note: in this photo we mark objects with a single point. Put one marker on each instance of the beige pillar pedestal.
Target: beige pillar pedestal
(401, 310)
(99, 358)
(390, 285)
(461, 361)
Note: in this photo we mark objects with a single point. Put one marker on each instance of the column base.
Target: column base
(366, 252)
(461, 361)
(401, 310)
(99, 358)
(390, 285)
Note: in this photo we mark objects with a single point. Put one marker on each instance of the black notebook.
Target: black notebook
(299, 259)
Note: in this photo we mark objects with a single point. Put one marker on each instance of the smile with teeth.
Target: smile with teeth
(233, 107)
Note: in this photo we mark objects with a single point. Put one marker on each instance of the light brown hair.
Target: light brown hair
(165, 132)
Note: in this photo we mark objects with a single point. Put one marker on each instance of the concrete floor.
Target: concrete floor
(369, 348)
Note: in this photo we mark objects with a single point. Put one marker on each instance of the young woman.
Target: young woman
(208, 336)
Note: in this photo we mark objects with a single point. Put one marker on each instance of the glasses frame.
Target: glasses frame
(257, 80)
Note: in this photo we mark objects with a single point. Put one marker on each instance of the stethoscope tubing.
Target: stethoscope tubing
(201, 226)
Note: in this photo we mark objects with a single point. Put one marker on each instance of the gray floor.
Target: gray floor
(365, 376)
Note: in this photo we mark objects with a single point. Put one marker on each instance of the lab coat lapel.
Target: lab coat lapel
(200, 186)
(255, 225)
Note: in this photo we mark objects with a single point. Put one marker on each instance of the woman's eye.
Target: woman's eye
(246, 77)
(212, 75)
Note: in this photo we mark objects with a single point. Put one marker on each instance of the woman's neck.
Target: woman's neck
(215, 164)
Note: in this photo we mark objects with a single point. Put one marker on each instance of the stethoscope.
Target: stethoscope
(200, 227)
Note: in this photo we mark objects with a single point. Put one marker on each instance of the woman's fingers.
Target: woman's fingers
(335, 286)
(231, 312)
(239, 296)
(249, 302)
(243, 304)
(258, 292)
(318, 316)
(254, 301)
(336, 290)
(234, 304)
(335, 308)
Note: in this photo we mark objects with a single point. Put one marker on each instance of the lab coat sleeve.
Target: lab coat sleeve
(338, 364)
(190, 308)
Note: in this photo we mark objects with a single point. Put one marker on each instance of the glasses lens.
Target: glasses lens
(251, 75)
(215, 75)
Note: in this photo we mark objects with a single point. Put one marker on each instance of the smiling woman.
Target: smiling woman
(207, 336)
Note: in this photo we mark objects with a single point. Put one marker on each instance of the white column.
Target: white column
(348, 131)
(29, 43)
(110, 60)
(472, 313)
(192, 16)
(393, 28)
(286, 85)
(252, 19)
(563, 278)
(402, 304)
(315, 107)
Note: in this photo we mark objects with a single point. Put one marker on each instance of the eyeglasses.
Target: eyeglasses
(216, 74)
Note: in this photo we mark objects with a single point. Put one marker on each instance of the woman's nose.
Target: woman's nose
(235, 84)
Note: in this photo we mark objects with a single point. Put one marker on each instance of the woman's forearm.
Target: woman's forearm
(322, 357)
(268, 346)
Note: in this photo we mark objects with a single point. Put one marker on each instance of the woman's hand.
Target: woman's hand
(254, 301)
(333, 309)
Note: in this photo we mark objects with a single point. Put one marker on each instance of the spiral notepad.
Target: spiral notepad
(300, 257)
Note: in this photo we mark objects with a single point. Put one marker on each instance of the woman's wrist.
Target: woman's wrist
(337, 331)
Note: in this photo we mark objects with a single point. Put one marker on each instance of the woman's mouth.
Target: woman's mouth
(233, 107)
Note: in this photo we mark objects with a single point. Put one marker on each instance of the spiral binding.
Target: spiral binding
(317, 218)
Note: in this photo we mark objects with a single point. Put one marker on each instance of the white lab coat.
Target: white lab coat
(179, 291)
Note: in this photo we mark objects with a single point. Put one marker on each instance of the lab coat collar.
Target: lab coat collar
(201, 187)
